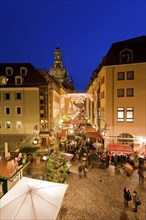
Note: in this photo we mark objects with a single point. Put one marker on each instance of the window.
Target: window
(102, 95)
(121, 75)
(130, 92)
(102, 80)
(126, 56)
(7, 110)
(129, 114)
(102, 112)
(120, 92)
(18, 80)
(23, 71)
(18, 124)
(130, 75)
(18, 111)
(3, 80)
(120, 114)
(8, 124)
(7, 96)
(9, 71)
(18, 96)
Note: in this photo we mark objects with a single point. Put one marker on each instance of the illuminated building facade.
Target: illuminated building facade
(30, 99)
(118, 86)
(19, 98)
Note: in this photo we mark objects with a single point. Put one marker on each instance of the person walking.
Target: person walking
(127, 196)
(136, 201)
(84, 166)
(141, 174)
(80, 168)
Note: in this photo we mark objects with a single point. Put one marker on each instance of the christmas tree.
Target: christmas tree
(57, 169)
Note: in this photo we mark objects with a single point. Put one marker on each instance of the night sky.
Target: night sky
(30, 31)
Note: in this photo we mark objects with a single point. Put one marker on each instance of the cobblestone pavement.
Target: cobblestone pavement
(99, 196)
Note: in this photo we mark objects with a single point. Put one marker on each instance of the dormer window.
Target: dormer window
(126, 56)
(9, 71)
(23, 71)
(18, 80)
(3, 80)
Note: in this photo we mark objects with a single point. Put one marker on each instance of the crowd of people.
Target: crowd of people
(88, 154)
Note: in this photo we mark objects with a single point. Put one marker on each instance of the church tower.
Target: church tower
(58, 71)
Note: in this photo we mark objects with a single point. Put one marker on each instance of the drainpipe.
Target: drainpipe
(113, 87)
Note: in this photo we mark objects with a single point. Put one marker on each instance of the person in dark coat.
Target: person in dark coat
(136, 201)
(80, 168)
(127, 196)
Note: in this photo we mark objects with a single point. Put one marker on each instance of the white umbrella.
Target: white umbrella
(68, 156)
(32, 199)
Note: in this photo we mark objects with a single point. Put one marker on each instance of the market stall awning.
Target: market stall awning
(120, 148)
(90, 129)
(44, 133)
(93, 134)
(63, 133)
(79, 121)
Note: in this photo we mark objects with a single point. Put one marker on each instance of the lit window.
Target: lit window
(18, 124)
(98, 113)
(7, 110)
(121, 76)
(130, 92)
(120, 114)
(129, 114)
(8, 124)
(130, 75)
(3, 80)
(120, 92)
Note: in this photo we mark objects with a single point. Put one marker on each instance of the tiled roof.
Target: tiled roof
(32, 79)
(137, 45)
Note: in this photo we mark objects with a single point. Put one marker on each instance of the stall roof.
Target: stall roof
(93, 134)
(14, 140)
(120, 148)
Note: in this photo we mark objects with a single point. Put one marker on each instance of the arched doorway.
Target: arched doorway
(125, 138)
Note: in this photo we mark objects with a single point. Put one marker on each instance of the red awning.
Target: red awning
(93, 135)
(63, 133)
(119, 148)
(80, 121)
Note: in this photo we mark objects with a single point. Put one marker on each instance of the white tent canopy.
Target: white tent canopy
(32, 199)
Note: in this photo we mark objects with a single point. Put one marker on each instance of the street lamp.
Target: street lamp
(45, 159)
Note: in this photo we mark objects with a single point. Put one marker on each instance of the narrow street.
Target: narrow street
(99, 196)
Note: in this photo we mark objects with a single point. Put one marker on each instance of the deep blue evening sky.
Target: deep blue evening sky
(30, 31)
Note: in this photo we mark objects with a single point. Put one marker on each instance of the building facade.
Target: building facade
(118, 86)
(31, 101)
(20, 89)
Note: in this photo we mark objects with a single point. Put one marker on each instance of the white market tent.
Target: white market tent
(32, 199)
